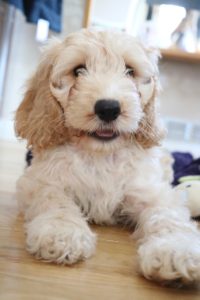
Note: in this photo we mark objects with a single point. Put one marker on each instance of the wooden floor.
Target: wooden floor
(109, 274)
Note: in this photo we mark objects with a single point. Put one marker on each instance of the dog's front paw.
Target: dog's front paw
(172, 259)
(60, 241)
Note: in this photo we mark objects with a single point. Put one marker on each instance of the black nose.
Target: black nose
(107, 110)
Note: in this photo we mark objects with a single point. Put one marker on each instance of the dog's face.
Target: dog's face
(96, 90)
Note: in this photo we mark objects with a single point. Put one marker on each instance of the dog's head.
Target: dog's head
(94, 89)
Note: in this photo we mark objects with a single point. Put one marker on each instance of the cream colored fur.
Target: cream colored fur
(76, 179)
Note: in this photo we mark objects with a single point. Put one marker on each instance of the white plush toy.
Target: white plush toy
(190, 185)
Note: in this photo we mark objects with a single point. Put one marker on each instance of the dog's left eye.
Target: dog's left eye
(80, 70)
(130, 71)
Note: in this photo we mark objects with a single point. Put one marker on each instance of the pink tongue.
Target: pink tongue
(104, 133)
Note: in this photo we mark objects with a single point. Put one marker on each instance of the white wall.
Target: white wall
(180, 97)
(24, 56)
(116, 12)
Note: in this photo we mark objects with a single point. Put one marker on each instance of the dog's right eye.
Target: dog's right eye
(130, 71)
(79, 70)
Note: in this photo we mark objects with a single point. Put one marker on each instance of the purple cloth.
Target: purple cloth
(184, 165)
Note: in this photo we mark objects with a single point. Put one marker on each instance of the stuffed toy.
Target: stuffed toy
(190, 185)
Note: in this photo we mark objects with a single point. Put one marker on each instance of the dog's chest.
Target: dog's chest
(97, 185)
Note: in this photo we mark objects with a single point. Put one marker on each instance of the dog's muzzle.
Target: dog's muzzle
(107, 110)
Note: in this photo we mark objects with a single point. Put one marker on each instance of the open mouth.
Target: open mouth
(104, 134)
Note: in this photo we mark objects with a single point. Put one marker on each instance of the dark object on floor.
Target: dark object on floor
(184, 165)
(34, 10)
(29, 157)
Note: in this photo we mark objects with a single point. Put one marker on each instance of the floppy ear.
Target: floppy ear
(151, 130)
(39, 118)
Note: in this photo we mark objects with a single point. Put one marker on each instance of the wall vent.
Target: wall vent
(182, 131)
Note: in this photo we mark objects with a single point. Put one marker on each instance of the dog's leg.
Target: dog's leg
(168, 241)
(56, 230)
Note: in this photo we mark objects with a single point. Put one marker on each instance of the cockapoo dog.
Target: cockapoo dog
(90, 116)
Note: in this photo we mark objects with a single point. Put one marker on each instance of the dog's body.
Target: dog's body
(90, 116)
(99, 185)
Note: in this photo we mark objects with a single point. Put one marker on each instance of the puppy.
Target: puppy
(90, 117)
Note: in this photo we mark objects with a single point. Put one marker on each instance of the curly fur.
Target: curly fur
(76, 179)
